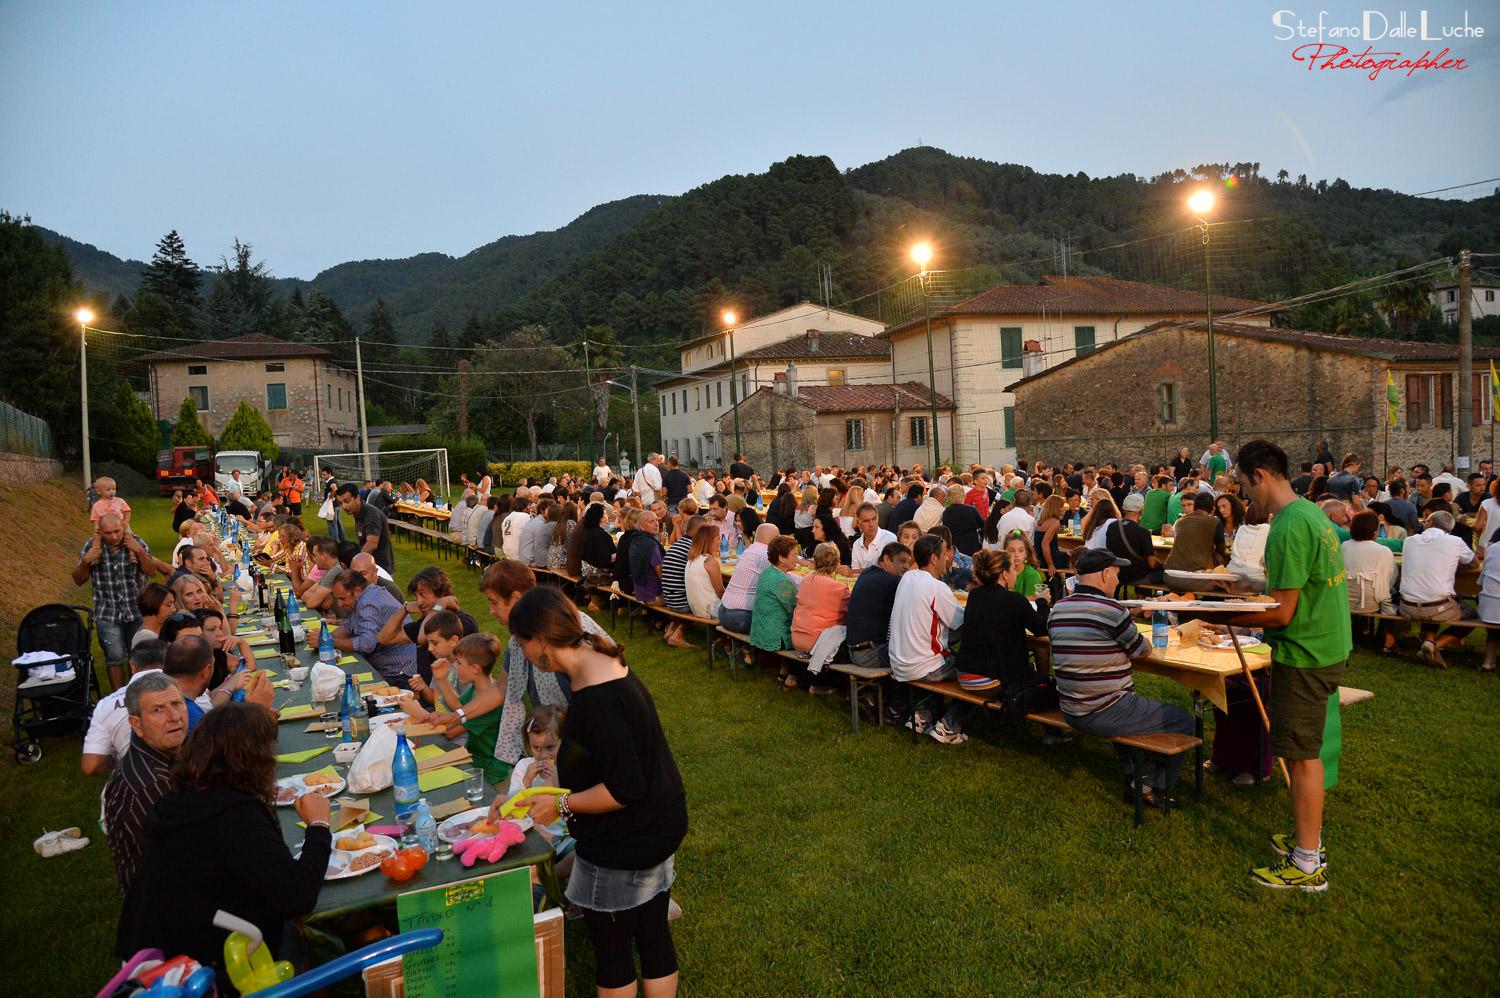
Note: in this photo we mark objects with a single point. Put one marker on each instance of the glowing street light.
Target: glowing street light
(921, 253)
(1201, 203)
(734, 396)
(84, 317)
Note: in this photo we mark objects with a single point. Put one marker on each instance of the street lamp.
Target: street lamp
(1201, 203)
(921, 253)
(734, 401)
(84, 317)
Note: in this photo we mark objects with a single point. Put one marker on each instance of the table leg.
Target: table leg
(1198, 753)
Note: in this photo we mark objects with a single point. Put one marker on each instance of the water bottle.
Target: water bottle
(326, 652)
(294, 612)
(404, 779)
(1159, 625)
(346, 713)
(239, 694)
(426, 828)
(723, 545)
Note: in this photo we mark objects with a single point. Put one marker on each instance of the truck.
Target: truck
(254, 469)
(183, 468)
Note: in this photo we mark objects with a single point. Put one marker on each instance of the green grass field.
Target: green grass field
(819, 862)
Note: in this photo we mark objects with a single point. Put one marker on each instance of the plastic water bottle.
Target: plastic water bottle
(239, 694)
(326, 652)
(426, 828)
(346, 712)
(404, 779)
(1159, 625)
(294, 611)
(723, 545)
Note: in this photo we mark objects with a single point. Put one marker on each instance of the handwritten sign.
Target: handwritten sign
(488, 945)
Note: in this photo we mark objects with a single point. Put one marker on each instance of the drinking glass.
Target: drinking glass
(474, 786)
(333, 730)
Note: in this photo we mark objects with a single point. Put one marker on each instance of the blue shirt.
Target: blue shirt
(373, 608)
(195, 713)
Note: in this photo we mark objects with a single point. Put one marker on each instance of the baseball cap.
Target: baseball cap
(1133, 503)
(1096, 560)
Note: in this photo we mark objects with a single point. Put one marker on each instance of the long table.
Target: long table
(423, 511)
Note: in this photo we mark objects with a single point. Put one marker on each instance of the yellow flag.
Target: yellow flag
(1494, 392)
(1392, 400)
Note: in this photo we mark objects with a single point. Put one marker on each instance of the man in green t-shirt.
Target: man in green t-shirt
(1215, 461)
(1310, 638)
(1157, 504)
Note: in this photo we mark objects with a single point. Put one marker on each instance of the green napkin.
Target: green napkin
(268, 651)
(298, 757)
(262, 641)
(370, 818)
(299, 712)
(439, 778)
(428, 752)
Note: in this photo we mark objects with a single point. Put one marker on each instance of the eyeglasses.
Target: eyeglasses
(182, 618)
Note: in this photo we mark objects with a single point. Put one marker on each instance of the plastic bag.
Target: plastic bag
(327, 682)
(371, 771)
(326, 511)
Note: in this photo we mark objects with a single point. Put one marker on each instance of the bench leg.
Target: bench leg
(1140, 797)
(1198, 753)
(854, 704)
(708, 632)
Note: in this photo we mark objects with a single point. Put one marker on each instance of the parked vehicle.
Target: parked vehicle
(183, 468)
(254, 469)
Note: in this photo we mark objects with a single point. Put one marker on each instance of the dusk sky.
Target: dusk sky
(326, 132)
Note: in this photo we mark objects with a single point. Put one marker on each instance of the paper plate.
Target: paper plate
(974, 681)
(456, 828)
(298, 787)
(342, 864)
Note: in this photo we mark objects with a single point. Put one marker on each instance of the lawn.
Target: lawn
(819, 862)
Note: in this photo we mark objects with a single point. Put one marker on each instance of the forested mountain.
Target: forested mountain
(100, 271)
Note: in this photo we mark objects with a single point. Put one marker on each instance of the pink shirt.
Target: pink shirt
(821, 603)
(104, 507)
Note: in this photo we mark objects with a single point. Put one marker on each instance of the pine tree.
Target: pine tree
(133, 434)
(247, 429)
(188, 432)
(176, 278)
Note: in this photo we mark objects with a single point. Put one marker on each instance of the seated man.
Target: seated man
(1093, 640)
(739, 593)
(870, 606)
(1129, 539)
(317, 594)
(157, 714)
(459, 515)
(645, 559)
(191, 560)
(370, 606)
(1198, 538)
(364, 564)
(108, 736)
(1429, 562)
(924, 615)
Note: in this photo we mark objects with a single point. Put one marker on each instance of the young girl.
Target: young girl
(473, 658)
(539, 769)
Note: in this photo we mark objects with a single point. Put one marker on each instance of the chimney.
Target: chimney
(779, 386)
(812, 341)
(791, 380)
(1033, 360)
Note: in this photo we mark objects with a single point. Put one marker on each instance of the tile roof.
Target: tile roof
(831, 346)
(1393, 351)
(250, 347)
(864, 398)
(1083, 296)
(759, 319)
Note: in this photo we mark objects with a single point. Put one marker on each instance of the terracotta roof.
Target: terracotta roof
(1083, 296)
(1393, 351)
(251, 347)
(831, 346)
(757, 320)
(863, 398)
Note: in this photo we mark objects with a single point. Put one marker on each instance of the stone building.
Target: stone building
(847, 425)
(1141, 398)
(307, 395)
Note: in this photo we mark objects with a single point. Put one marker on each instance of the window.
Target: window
(330, 396)
(1010, 426)
(721, 392)
(1489, 296)
(1429, 401)
(744, 385)
(1166, 398)
(1484, 409)
(275, 367)
(684, 400)
(835, 376)
(197, 370)
(918, 431)
(1010, 346)
(854, 434)
(1451, 296)
(674, 403)
(276, 396)
(697, 398)
(199, 395)
(1083, 340)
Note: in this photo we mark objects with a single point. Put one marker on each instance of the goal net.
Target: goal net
(397, 466)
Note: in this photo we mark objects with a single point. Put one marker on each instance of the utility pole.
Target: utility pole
(364, 428)
(83, 370)
(463, 398)
(1465, 418)
(636, 412)
(588, 396)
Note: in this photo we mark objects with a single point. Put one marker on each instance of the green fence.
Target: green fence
(23, 433)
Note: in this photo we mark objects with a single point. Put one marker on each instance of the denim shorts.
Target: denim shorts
(600, 888)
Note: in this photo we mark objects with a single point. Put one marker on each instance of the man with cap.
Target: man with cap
(1093, 639)
(1127, 539)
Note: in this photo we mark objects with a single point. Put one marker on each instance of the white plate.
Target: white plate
(329, 790)
(1224, 644)
(339, 859)
(1228, 578)
(1221, 606)
(456, 829)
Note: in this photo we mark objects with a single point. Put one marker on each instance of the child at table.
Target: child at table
(539, 769)
(440, 632)
(473, 659)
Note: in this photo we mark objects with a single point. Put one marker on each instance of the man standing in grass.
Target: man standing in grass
(1310, 637)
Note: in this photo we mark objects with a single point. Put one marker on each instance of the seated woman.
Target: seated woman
(963, 522)
(1247, 556)
(825, 530)
(995, 624)
(591, 554)
(1370, 570)
(704, 576)
(1231, 512)
(559, 536)
(822, 600)
(423, 491)
(1028, 577)
(775, 600)
(213, 842)
(1049, 522)
(1102, 512)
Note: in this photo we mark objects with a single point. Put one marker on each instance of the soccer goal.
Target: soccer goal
(396, 465)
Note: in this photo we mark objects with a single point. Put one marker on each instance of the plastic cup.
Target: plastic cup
(474, 787)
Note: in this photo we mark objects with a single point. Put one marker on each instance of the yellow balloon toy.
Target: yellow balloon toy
(247, 960)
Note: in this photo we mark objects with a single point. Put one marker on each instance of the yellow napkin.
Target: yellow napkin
(348, 660)
(268, 651)
(326, 771)
(439, 778)
(370, 818)
(427, 752)
(359, 677)
(299, 713)
(296, 757)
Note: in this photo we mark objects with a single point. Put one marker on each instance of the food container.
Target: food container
(345, 752)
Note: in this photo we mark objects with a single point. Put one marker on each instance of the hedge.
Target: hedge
(510, 473)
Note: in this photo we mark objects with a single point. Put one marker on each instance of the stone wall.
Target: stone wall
(23, 469)
(776, 431)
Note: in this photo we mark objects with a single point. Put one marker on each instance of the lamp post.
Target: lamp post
(734, 402)
(921, 253)
(1200, 204)
(85, 317)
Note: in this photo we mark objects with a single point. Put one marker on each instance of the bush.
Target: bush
(464, 453)
(510, 473)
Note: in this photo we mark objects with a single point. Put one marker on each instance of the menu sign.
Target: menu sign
(488, 945)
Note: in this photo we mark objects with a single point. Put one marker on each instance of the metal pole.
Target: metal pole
(635, 410)
(734, 394)
(364, 429)
(83, 371)
(1213, 372)
(931, 373)
(1465, 366)
(588, 384)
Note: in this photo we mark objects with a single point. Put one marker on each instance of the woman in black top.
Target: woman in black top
(963, 522)
(212, 842)
(591, 552)
(1182, 465)
(826, 528)
(783, 510)
(627, 811)
(622, 549)
(996, 621)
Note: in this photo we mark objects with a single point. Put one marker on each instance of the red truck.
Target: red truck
(183, 468)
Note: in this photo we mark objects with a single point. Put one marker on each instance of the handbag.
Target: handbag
(1030, 697)
(326, 511)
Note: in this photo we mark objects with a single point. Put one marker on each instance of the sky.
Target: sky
(323, 132)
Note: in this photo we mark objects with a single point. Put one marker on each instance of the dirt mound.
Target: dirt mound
(131, 483)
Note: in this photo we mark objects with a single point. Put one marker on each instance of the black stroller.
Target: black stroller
(55, 706)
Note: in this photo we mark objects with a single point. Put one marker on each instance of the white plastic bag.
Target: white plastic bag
(371, 771)
(327, 682)
(326, 511)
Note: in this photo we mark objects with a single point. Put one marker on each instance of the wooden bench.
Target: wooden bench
(708, 623)
(736, 638)
(1159, 742)
(862, 677)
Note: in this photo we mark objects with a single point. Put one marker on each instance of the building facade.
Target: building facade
(981, 344)
(1482, 295)
(1145, 396)
(309, 398)
(825, 345)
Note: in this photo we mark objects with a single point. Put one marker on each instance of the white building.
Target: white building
(1482, 296)
(987, 341)
(825, 346)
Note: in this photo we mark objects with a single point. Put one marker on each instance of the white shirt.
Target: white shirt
(923, 617)
(1370, 569)
(862, 556)
(109, 730)
(602, 475)
(706, 490)
(1429, 561)
(647, 484)
(1247, 555)
(1458, 484)
(510, 533)
(233, 489)
(1016, 518)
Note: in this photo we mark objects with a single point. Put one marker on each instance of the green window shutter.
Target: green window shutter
(1083, 340)
(1010, 346)
(1010, 426)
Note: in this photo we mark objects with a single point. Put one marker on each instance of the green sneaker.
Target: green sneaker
(1282, 845)
(1284, 873)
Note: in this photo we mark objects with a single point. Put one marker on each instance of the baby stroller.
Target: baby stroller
(65, 702)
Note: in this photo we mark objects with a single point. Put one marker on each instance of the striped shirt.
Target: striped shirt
(132, 789)
(1093, 640)
(673, 581)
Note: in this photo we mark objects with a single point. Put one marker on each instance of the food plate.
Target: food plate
(1222, 642)
(289, 788)
(1201, 605)
(1219, 578)
(456, 829)
(343, 864)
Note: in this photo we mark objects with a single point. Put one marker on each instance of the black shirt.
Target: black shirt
(371, 523)
(1131, 541)
(1300, 484)
(613, 736)
(181, 513)
(622, 560)
(740, 469)
(995, 624)
(965, 523)
(870, 604)
(596, 548)
(904, 511)
(675, 483)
